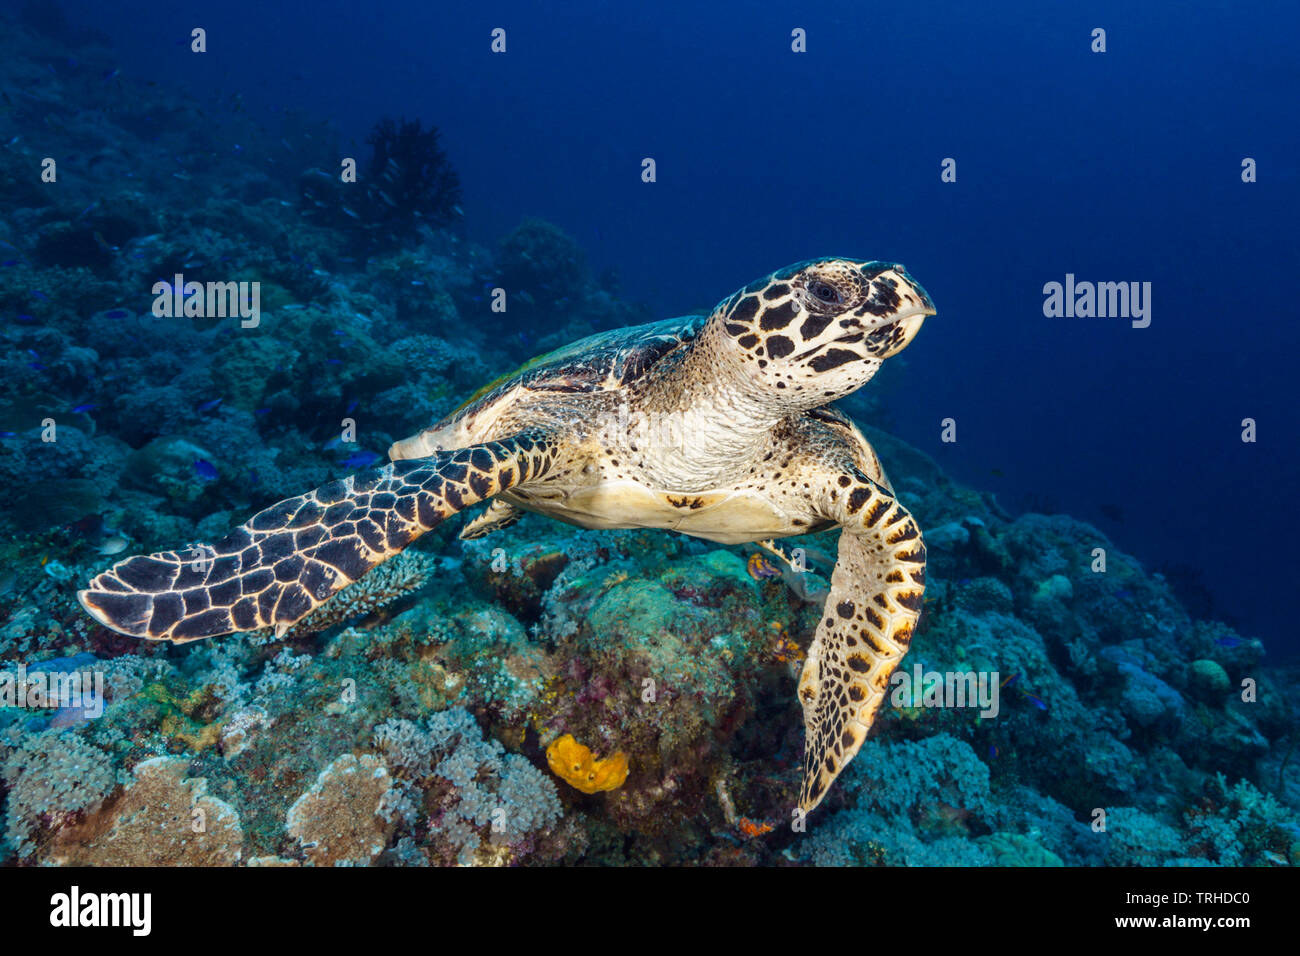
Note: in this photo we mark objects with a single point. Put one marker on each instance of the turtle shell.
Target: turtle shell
(601, 362)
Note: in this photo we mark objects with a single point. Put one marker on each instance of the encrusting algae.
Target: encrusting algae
(573, 763)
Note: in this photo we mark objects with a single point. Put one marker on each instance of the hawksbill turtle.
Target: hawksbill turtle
(717, 426)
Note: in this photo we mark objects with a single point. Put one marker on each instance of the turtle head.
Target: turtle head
(818, 330)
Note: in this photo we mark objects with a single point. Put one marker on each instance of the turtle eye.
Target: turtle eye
(826, 293)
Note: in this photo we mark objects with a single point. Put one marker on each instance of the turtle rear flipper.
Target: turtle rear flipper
(290, 558)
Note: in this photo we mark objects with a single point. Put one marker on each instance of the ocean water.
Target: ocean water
(1017, 160)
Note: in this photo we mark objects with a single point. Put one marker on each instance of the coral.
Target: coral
(390, 582)
(1136, 838)
(409, 178)
(469, 788)
(341, 819)
(162, 818)
(574, 764)
(1208, 680)
(916, 803)
(1238, 824)
(52, 778)
(540, 266)
(238, 731)
(1015, 849)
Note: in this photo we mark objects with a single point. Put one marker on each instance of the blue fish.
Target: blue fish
(361, 459)
(62, 664)
(1035, 700)
(85, 408)
(209, 406)
(351, 407)
(1229, 641)
(205, 469)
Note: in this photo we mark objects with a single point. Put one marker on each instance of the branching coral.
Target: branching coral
(387, 583)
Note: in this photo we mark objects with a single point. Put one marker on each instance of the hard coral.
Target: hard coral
(540, 265)
(163, 818)
(574, 764)
(340, 820)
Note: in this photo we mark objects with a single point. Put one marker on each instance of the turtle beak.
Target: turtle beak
(915, 305)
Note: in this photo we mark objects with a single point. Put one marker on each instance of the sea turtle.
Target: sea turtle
(717, 426)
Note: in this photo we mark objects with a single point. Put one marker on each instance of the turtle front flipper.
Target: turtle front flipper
(289, 559)
(866, 627)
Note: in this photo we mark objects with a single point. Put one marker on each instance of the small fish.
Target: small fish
(993, 751)
(1035, 700)
(62, 665)
(1010, 681)
(210, 405)
(349, 212)
(8, 434)
(113, 545)
(88, 406)
(362, 459)
(760, 567)
(1229, 641)
(352, 405)
(205, 469)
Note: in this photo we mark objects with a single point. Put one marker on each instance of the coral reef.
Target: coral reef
(407, 722)
(162, 818)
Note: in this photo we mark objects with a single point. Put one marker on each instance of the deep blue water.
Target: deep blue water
(1122, 166)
